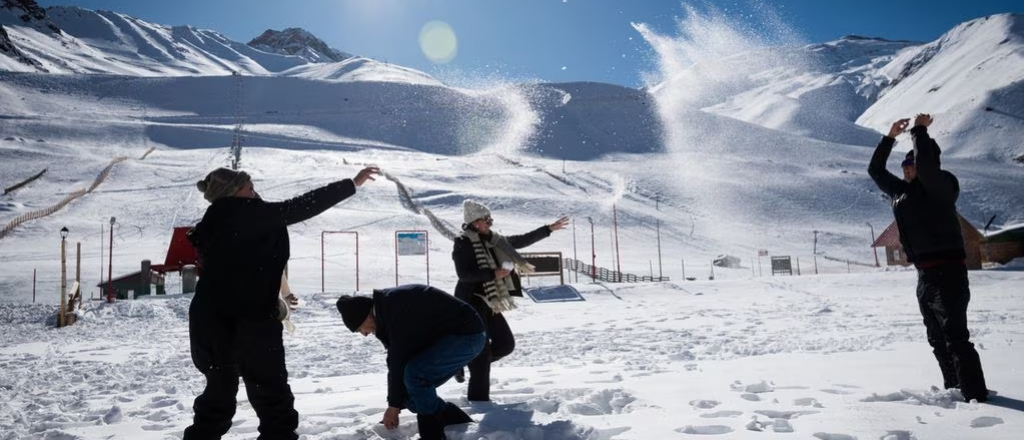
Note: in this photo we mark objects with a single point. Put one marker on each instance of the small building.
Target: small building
(135, 284)
(1004, 245)
(181, 257)
(894, 255)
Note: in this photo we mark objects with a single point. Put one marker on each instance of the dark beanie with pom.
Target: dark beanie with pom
(354, 310)
(221, 183)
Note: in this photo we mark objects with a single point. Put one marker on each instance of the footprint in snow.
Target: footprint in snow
(705, 430)
(721, 414)
(986, 422)
(785, 415)
(828, 436)
(704, 404)
(808, 401)
(898, 435)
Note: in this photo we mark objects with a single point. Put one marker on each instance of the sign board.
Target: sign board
(412, 243)
(782, 265)
(762, 252)
(545, 264)
(561, 293)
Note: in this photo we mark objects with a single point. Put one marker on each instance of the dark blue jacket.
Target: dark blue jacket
(925, 208)
(243, 248)
(410, 319)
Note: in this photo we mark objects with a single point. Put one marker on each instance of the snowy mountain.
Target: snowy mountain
(298, 42)
(76, 40)
(844, 91)
(753, 148)
(107, 122)
(973, 77)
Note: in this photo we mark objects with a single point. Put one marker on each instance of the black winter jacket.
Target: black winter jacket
(472, 277)
(410, 319)
(925, 208)
(243, 248)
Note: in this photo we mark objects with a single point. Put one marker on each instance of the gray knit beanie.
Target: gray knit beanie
(472, 211)
(221, 183)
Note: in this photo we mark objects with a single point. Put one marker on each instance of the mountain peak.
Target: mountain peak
(299, 42)
(30, 14)
(855, 37)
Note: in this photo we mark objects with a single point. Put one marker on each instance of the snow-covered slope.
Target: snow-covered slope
(68, 39)
(693, 163)
(816, 91)
(971, 79)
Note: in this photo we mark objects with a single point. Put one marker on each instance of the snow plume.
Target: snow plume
(618, 190)
(505, 124)
(713, 56)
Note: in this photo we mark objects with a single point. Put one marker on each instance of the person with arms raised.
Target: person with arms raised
(924, 204)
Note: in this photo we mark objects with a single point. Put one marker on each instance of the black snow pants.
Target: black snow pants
(225, 348)
(500, 343)
(942, 295)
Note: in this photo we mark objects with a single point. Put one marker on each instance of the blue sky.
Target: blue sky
(549, 40)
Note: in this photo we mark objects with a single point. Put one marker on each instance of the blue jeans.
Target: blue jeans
(434, 366)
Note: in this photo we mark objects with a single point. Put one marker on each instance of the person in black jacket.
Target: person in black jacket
(242, 243)
(429, 335)
(924, 204)
(487, 264)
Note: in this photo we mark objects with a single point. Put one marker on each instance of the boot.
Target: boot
(453, 415)
(430, 426)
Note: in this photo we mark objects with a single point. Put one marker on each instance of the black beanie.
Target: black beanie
(354, 310)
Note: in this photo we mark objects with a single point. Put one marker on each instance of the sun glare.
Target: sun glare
(438, 42)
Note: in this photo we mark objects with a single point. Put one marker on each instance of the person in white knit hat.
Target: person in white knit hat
(488, 265)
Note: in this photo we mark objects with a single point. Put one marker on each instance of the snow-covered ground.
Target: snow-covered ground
(828, 357)
(736, 147)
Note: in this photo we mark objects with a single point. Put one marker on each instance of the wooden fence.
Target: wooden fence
(40, 213)
(16, 186)
(610, 276)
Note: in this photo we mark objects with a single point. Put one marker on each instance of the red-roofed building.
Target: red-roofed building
(149, 280)
(179, 253)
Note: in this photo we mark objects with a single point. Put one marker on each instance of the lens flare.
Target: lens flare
(438, 42)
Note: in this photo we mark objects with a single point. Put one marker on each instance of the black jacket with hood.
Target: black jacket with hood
(243, 248)
(410, 319)
(925, 208)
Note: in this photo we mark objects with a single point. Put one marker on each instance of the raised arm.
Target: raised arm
(313, 203)
(937, 184)
(317, 201)
(886, 181)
